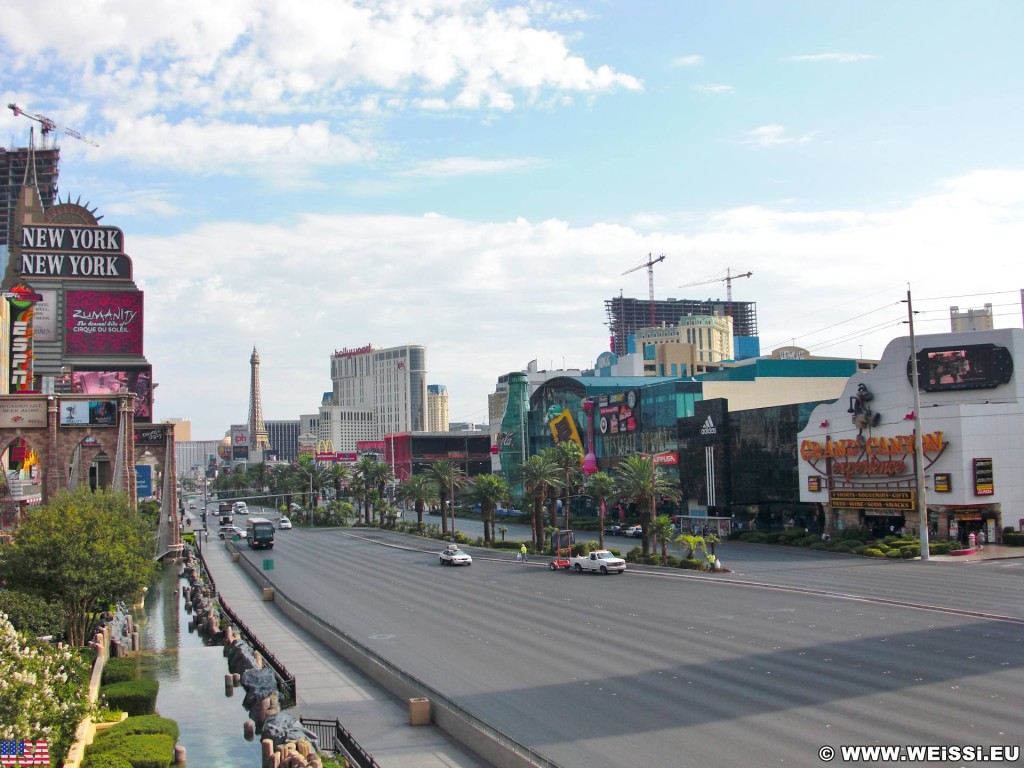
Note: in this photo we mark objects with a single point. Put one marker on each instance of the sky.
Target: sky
(480, 177)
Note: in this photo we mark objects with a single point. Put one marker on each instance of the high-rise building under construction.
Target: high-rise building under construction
(26, 166)
(626, 316)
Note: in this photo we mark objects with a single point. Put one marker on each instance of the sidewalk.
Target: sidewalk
(988, 552)
(327, 687)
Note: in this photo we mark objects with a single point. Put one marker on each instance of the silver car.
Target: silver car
(452, 555)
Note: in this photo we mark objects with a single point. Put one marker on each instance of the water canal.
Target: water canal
(191, 676)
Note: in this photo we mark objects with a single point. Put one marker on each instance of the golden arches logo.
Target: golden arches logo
(325, 446)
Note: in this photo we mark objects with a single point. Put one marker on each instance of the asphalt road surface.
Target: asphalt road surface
(792, 652)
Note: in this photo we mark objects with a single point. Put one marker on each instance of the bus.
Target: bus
(260, 533)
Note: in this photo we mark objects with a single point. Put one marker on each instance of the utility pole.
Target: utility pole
(920, 498)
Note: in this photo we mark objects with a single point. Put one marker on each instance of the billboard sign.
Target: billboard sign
(137, 380)
(88, 252)
(22, 413)
(88, 413)
(143, 481)
(23, 301)
(103, 322)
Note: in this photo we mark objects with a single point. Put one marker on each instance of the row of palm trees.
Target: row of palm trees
(552, 475)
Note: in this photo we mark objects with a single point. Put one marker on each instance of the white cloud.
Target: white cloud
(774, 135)
(466, 166)
(714, 88)
(687, 61)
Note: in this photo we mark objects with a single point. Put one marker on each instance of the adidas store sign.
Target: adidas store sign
(709, 427)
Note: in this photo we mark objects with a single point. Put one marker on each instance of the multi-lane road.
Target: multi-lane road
(792, 652)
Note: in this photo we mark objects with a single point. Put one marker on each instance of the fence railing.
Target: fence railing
(334, 737)
(287, 679)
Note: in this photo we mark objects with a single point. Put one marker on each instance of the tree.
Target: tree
(569, 457)
(362, 484)
(448, 476)
(45, 691)
(539, 475)
(600, 487)
(637, 478)
(662, 530)
(488, 491)
(420, 490)
(87, 550)
(379, 477)
(339, 476)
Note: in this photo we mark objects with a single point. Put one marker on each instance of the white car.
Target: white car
(230, 531)
(284, 524)
(452, 555)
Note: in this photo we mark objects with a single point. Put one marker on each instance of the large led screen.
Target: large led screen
(137, 380)
(103, 323)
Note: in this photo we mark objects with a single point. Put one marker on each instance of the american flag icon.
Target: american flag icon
(19, 752)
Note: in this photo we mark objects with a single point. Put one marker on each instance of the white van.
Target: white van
(241, 508)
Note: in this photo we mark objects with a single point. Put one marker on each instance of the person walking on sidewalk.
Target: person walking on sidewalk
(522, 553)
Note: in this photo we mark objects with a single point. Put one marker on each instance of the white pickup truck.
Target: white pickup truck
(599, 560)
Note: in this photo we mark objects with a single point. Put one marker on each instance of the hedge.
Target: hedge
(139, 750)
(136, 697)
(143, 724)
(120, 669)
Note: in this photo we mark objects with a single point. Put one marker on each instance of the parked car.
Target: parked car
(192, 506)
(636, 531)
(284, 524)
(452, 555)
(230, 531)
(613, 530)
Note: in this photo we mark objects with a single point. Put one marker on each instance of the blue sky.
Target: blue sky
(476, 176)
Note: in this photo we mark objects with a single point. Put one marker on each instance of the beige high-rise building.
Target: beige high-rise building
(437, 408)
(970, 319)
(699, 343)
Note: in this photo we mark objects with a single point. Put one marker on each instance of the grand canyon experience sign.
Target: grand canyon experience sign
(55, 251)
(885, 456)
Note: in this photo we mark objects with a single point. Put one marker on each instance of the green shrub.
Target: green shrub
(754, 537)
(894, 554)
(136, 697)
(873, 552)
(939, 547)
(119, 669)
(672, 562)
(858, 549)
(105, 760)
(148, 750)
(691, 565)
(1013, 539)
(773, 537)
(147, 724)
(843, 545)
(33, 615)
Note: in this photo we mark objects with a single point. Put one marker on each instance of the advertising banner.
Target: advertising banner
(23, 301)
(85, 413)
(134, 379)
(22, 413)
(150, 436)
(143, 481)
(44, 320)
(103, 322)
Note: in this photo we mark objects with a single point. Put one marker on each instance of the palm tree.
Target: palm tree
(420, 490)
(637, 478)
(569, 457)
(662, 529)
(339, 475)
(380, 475)
(600, 487)
(307, 473)
(488, 491)
(448, 476)
(539, 474)
(362, 484)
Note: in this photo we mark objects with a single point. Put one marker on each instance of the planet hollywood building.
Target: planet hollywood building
(857, 454)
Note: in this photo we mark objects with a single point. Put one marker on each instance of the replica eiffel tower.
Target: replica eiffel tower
(257, 428)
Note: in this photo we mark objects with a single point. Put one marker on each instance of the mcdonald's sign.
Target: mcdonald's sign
(325, 452)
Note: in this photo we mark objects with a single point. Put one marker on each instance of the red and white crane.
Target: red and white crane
(49, 126)
(651, 261)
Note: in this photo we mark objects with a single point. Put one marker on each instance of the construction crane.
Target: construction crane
(650, 277)
(727, 280)
(49, 126)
